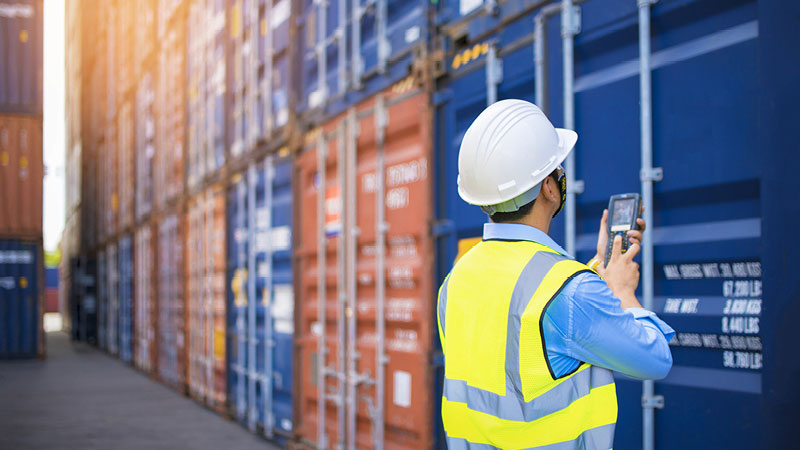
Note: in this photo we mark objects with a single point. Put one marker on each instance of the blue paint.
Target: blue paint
(51, 277)
(406, 30)
(125, 292)
(19, 299)
(708, 209)
(259, 264)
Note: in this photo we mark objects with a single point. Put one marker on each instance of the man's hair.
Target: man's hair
(516, 216)
(513, 216)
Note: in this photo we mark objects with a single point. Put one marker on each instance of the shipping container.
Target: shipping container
(126, 168)
(145, 347)
(206, 107)
(261, 297)
(205, 276)
(51, 286)
(171, 301)
(21, 47)
(21, 177)
(350, 50)
(123, 19)
(112, 300)
(706, 223)
(144, 31)
(259, 73)
(364, 197)
(145, 144)
(125, 292)
(102, 299)
(171, 114)
(21, 286)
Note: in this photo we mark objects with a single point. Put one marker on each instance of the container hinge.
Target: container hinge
(494, 67)
(571, 21)
(654, 402)
(651, 174)
(576, 187)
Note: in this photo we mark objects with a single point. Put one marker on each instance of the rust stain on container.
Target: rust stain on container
(21, 176)
(145, 355)
(407, 396)
(205, 273)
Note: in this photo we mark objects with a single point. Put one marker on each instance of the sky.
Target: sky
(54, 123)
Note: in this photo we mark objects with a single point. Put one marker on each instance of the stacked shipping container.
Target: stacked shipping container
(200, 181)
(21, 178)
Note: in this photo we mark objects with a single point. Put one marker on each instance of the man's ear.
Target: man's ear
(550, 190)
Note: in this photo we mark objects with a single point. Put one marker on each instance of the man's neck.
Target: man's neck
(538, 219)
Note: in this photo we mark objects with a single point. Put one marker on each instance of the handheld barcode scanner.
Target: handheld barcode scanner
(623, 210)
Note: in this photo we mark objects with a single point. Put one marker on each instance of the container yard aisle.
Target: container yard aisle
(82, 398)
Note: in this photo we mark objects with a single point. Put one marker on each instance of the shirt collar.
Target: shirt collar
(519, 232)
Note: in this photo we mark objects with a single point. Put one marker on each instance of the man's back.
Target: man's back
(499, 387)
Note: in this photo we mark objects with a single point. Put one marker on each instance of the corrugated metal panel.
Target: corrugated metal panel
(123, 19)
(20, 299)
(360, 48)
(707, 209)
(171, 301)
(205, 271)
(261, 331)
(21, 60)
(145, 146)
(205, 65)
(21, 176)
(125, 290)
(259, 73)
(112, 300)
(393, 278)
(171, 114)
(145, 355)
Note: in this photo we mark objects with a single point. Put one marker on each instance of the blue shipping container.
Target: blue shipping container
(21, 56)
(261, 297)
(51, 277)
(259, 73)
(102, 299)
(125, 292)
(710, 255)
(360, 48)
(20, 299)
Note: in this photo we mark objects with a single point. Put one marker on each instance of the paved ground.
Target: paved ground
(80, 398)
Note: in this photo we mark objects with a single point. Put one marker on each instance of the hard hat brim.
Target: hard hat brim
(566, 141)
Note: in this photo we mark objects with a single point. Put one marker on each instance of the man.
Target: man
(530, 336)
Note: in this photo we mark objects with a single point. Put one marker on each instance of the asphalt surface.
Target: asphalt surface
(81, 398)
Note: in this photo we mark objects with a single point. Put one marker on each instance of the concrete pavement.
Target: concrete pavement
(81, 398)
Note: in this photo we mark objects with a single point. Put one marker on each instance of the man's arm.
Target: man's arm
(633, 342)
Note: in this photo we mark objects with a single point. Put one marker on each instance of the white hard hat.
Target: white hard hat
(506, 153)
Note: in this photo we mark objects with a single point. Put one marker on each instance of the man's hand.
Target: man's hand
(635, 237)
(622, 273)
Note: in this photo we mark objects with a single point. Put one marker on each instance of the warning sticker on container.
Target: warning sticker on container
(402, 388)
(333, 211)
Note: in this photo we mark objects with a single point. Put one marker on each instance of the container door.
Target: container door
(19, 300)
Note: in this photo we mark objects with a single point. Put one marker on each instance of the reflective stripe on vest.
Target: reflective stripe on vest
(499, 389)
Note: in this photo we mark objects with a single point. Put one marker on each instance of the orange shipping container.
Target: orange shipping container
(369, 205)
(21, 176)
(205, 270)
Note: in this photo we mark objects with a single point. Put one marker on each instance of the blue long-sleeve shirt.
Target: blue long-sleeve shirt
(586, 322)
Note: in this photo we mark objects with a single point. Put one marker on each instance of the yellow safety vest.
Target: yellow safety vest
(499, 389)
